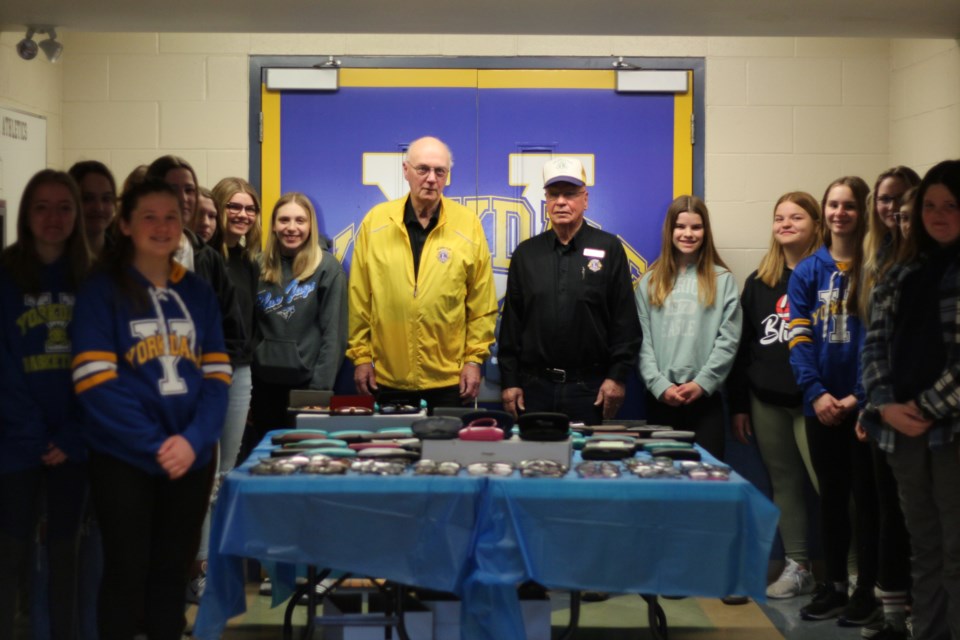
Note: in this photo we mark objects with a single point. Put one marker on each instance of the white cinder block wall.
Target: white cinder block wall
(781, 113)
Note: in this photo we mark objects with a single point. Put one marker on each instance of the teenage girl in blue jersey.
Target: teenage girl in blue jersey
(150, 370)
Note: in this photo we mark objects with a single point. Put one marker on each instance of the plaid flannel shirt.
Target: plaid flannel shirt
(942, 400)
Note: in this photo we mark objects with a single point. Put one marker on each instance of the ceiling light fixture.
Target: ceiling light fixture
(28, 48)
(51, 48)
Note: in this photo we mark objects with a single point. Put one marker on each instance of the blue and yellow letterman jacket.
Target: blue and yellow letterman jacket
(144, 375)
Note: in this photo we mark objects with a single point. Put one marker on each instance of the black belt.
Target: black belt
(556, 375)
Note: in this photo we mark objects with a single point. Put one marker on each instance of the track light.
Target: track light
(51, 48)
(27, 48)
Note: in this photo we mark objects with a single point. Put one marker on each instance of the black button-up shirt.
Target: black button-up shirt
(417, 232)
(569, 307)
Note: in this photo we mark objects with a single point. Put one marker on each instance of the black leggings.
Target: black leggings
(704, 417)
(151, 531)
(844, 468)
(894, 543)
(269, 410)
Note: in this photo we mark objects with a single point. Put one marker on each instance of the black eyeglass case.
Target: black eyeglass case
(607, 450)
(544, 427)
(437, 428)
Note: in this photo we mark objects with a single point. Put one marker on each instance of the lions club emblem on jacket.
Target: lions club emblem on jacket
(594, 265)
(443, 255)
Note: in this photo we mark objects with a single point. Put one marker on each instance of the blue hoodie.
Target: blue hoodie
(825, 342)
(37, 405)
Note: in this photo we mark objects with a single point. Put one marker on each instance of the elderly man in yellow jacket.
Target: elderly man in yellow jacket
(422, 297)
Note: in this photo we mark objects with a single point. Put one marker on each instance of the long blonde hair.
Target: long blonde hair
(222, 192)
(308, 257)
(876, 261)
(774, 262)
(664, 270)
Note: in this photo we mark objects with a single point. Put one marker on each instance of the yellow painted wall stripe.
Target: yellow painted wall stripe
(682, 144)
(408, 78)
(546, 79)
(269, 156)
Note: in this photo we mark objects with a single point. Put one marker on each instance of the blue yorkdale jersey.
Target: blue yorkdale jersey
(825, 341)
(37, 404)
(145, 375)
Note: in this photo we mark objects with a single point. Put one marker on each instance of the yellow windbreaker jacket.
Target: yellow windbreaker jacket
(420, 331)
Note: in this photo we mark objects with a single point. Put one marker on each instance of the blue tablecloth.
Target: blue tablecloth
(480, 537)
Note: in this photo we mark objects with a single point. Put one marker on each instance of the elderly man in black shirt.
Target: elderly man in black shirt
(569, 335)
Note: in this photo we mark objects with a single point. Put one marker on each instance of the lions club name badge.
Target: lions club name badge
(596, 256)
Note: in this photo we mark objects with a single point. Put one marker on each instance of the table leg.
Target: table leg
(571, 627)
(310, 590)
(656, 617)
(397, 593)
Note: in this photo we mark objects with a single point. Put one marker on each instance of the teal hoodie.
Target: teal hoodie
(682, 340)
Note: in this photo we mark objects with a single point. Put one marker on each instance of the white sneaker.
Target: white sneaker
(794, 581)
(872, 629)
(195, 588)
(266, 588)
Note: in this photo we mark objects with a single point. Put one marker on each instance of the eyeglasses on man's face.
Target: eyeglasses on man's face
(422, 170)
(236, 207)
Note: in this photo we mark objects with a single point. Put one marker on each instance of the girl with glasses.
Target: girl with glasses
(911, 365)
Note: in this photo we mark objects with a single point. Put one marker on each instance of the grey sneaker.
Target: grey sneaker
(794, 581)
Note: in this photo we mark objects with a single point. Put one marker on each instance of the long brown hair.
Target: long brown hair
(773, 264)
(860, 191)
(665, 269)
(119, 255)
(308, 257)
(163, 165)
(21, 258)
(222, 192)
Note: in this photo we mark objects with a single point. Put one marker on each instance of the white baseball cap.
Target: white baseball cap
(564, 170)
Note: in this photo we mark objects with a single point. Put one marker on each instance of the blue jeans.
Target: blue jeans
(238, 407)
